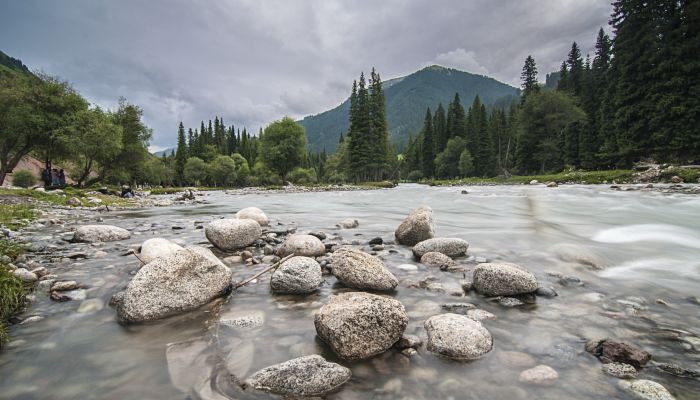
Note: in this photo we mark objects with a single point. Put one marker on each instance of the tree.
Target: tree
(379, 130)
(447, 162)
(196, 170)
(466, 165)
(456, 118)
(182, 153)
(222, 171)
(428, 146)
(529, 78)
(135, 137)
(282, 146)
(440, 127)
(94, 138)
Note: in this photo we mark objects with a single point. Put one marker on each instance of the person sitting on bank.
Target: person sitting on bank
(127, 193)
(62, 178)
(46, 177)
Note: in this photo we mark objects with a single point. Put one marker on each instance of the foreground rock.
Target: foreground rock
(298, 275)
(610, 351)
(100, 233)
(503, 279)
(25, 275)
(451, 247)
(458, 337)
(435, 259)
(182, 281)
(303, 376)
(359, 270)
(646, 390)
(542, 375)
(255, 214)
(232, 234)
(417, 227)
(157, 247)
(302, 245)
(349, 324)
(620, 370)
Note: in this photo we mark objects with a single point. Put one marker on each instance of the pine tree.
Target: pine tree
(529, 78)
(575, 65)
(379, 145)
(428, 147)
(563, 84)
(440, 127)
(456, 118)
(181, 154)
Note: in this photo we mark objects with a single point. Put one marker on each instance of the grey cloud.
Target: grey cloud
(256, 61)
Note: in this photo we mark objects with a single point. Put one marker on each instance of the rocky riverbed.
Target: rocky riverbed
(518, 293)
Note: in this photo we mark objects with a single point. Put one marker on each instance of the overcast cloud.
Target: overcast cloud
(255, 61)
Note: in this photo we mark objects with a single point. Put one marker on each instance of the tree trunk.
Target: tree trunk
(8, 163)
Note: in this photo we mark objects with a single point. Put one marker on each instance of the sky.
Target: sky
(253, 62)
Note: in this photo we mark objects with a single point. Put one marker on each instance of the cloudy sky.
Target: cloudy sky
(255, 61)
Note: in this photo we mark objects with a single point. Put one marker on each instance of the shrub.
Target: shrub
(302, 176)
(23, 178)
(414, 176)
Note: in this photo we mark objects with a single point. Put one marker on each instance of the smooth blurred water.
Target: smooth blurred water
(649, 243)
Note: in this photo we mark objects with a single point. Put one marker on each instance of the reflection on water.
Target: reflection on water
(647, 242)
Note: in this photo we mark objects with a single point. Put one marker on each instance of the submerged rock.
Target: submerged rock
(438, 260)
(182, 281)
(620, 370)
(457, 337)
(542, 375)
(503, 279)
(646, 390)
(348, 223)
(359, 270)
(302, 245)
(255, 214)
(303, 376)
(232, 234)
(360, 325)
(156, 247)
(610, 351)
(451, 247)
(418, 226)
(100, 233)
(298, 275)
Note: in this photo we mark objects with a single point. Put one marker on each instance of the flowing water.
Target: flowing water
(649, 243)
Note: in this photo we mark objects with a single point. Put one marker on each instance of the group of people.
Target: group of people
(53, 178)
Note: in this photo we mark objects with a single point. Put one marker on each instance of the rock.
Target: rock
(298, 275)
(646, 390)
(348, 223)
(242, 319)
(677, 370)
(73, 202)
(467, 286)
(100, 233)
(435, 259)
(302, 245)
(375, 241)
(541, 375)
(480, 315)
(408, 342)
(552, 184)
(464, 192)
(620, 370)
(516, 359)
(578, 254)
(40, 271)
(255, 214)
(546, 292)
(77, 294)
(417, 227)
(610, 351)
(348, 323)
(359, 270)
(676, 179)
(457, 337)
(534, 182)
(458, 308)
(25, 275)
(91, 305)
(510, 302)
(62, 286)
(182, 281)
(156, 247)
(503, 279)
(303, 376)
(232, 234)
(451, 247)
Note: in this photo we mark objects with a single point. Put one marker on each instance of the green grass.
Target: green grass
(589, 177)
(53, 198)
(12, 289)
(15, 216)
(689, 175)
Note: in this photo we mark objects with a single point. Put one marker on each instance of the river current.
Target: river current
(647, 244)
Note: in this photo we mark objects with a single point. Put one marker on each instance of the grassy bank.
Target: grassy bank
(12, 289)
(584, 177)
(61, 198)
(362, 185)
(14, 216)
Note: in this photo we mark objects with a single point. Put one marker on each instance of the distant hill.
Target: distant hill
(406, 101)
(13, 63)
(167, 152)
(551, 81)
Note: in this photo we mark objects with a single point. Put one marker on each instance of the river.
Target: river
(647, 242)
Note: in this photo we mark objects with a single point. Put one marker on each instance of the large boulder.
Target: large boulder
(181, 281)
(360, 325)
(156, 247)
(298, 275)
(458, 337)
(232, 234)
(646, 390)
(302, 245)
(359, 270)
(303, 376)
(451, 247)
(418, 226)
(100, 233)
(503, 279)
(255, 214)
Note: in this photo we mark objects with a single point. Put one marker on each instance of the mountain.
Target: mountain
(406, 101)
(13, 63)
(166, 152)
